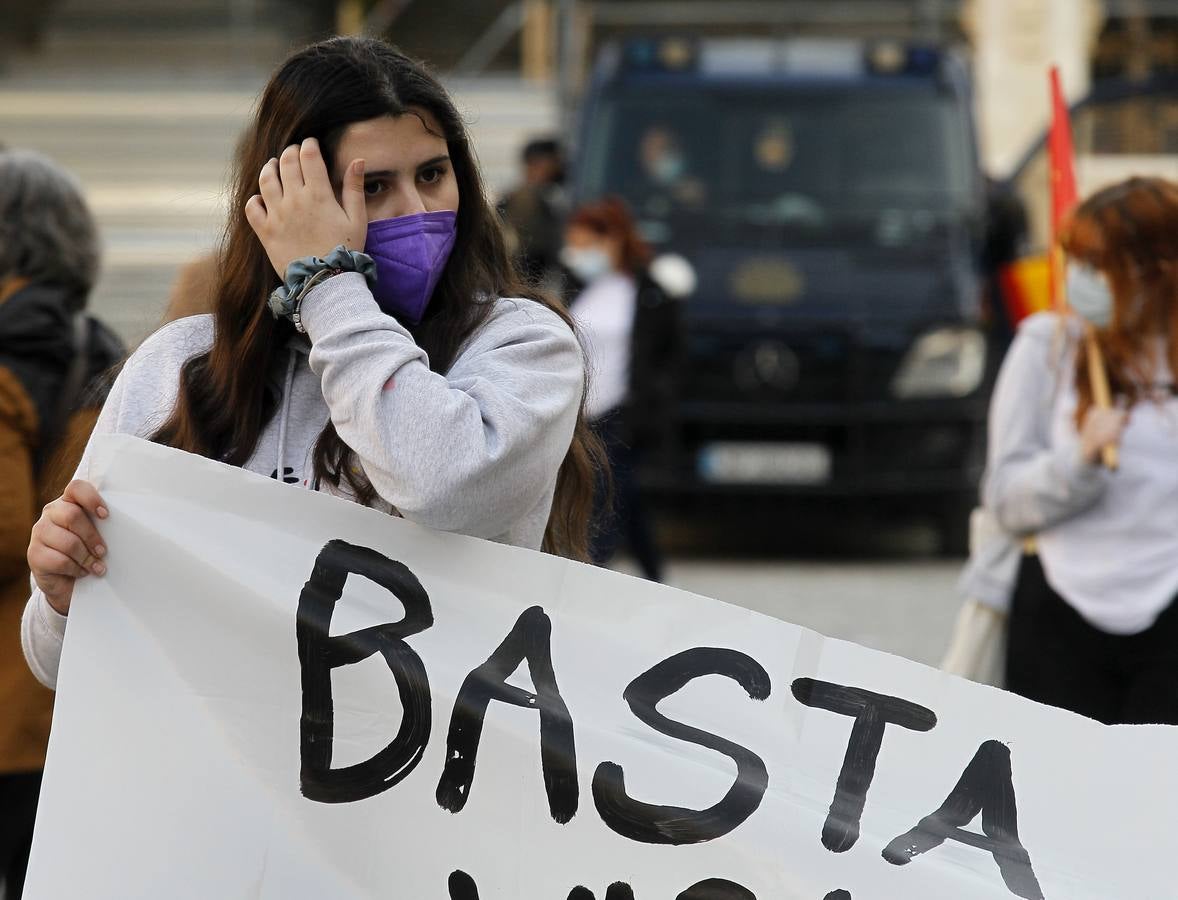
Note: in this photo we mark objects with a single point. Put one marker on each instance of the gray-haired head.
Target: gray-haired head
(47, 233)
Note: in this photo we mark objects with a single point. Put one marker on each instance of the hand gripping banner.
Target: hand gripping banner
(277, 694)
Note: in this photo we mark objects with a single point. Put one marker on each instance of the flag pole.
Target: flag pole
(1063, 201)
(1101, 395)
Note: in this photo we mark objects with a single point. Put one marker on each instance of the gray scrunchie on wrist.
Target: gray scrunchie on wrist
(285, 299)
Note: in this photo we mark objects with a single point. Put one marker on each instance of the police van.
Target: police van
(829, 199)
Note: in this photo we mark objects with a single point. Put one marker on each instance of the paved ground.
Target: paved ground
(902, 607)
(875, 582)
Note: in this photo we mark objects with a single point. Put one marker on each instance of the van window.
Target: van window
(808, 160)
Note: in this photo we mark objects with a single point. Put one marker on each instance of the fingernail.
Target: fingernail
(314, 142)
(99, 569)
(103, 512)
(100, 550)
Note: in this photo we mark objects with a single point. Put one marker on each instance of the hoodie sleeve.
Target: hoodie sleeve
(1030, 483)
(471, 451)
(42, 628)
(42, 632)
(139, 401)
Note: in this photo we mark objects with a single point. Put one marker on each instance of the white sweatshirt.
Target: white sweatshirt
(605, 316)
(1108, 541)
(474, 451)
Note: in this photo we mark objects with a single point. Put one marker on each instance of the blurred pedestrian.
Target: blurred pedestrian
(534, 212)
(632, 331)
(418, 377)
(1093, 623)
(51, 357)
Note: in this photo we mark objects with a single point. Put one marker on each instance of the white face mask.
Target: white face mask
(587, 263)
(1089, 294)
(668, 169)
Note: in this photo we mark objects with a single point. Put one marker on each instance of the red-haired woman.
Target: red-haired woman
(1093, 623)
(631, 331)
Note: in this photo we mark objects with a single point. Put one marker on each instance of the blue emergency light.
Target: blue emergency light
(804, 57)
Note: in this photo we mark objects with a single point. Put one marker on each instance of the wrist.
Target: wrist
(1085, 464)
(303, 275)
(56, 606)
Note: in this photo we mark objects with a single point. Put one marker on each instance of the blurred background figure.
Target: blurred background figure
(1005, 232)
(669, 181)
(23, 27)
(52, 359)
(534, 211)
(1093, 623)
(632, 335)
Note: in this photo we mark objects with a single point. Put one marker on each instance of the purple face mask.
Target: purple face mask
(410, 253)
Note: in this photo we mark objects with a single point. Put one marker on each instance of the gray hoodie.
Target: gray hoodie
(474, 451)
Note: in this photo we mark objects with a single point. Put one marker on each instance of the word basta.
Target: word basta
(985, 787)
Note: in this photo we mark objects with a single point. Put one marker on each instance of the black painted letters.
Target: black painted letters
(653, 824)
(872, 714)
(319, 654)
(529, 640)
(716, 889)
(986, 787)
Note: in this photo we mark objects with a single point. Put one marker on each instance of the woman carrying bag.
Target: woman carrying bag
(1093, 625)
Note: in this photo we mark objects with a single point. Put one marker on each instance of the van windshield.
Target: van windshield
(818, 161)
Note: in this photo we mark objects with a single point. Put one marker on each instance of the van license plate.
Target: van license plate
(764, 463)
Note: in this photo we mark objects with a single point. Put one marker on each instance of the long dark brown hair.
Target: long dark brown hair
(225, 401)
(1129, 231)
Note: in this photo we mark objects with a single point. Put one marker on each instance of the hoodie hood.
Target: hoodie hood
(38, 344)
(35, 325)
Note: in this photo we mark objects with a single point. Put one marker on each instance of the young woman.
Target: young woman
(632, 331)
(418, 377)
(1093, 623)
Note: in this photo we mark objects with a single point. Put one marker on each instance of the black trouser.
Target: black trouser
(18, 810)
(1054, 656)
(625, 519)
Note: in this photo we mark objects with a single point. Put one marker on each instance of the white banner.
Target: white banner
(276, 694)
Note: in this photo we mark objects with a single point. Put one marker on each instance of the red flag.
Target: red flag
(1061, 155)
(1063, 201)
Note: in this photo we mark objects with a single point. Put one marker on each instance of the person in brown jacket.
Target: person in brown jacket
(52, 357)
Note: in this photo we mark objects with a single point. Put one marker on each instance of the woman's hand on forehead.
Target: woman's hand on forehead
(296, 213)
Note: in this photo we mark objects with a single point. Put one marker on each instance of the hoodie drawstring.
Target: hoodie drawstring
(286, 392)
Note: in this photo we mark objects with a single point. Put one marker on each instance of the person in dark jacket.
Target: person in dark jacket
(632, 332)
(533, 213)
(52, 357)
